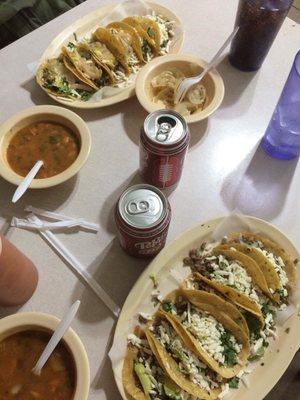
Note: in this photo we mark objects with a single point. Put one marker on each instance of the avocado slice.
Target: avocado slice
(171, 390)
(140, 370)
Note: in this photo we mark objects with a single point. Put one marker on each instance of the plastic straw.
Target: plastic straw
(24, 223)
(60, 217)
(76, 267)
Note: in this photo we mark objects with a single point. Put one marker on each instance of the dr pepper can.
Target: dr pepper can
(142, 217)
(163, 145)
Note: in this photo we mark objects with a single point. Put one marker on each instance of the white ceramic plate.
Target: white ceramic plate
(84, 27)
(278, 355)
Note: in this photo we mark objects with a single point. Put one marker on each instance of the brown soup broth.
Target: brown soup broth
(19, 354)
(50, 142)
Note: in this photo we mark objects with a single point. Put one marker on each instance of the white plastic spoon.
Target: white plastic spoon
(56, 337)
(21, 189)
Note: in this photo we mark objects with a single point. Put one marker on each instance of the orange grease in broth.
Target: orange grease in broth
(19, 354)
(50, 142)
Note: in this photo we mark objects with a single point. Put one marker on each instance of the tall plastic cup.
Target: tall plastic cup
(282, 137)
(259, 22)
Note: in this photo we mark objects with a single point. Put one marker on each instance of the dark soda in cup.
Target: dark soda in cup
(259, 22)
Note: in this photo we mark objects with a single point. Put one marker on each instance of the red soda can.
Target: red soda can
(142, 217)
(163, 145)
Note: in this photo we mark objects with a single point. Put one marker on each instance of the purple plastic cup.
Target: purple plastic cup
(282, 137)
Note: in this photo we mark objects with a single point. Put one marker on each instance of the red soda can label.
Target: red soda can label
(163, 146)
(142, 217)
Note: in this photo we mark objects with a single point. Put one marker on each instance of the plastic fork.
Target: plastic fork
(186, 83)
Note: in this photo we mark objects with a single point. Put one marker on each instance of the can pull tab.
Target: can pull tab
(140, 207)
(165, 128)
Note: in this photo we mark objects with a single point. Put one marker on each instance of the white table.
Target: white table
(222, 161)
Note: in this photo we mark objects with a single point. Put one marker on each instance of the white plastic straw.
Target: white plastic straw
(60, 217)
(77, 267)
(24, 223)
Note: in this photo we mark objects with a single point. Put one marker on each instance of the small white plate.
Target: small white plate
(190, 66)
(278, 355)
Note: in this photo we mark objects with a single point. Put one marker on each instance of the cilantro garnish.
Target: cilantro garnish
(85, 95)
(167, 306)
(164, 43)
(253, 324)
(229, 352)
(71, 45)
(234, 382)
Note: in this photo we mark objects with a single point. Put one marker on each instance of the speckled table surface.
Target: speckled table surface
(224, 169)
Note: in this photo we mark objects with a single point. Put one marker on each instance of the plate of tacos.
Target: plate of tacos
(211, 318)
(94, 62)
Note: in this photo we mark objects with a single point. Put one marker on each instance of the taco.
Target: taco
(259, 329)
(160, 29)
(78, 59)
(102, 57)
(276, 264)
(130, 35)
(206, 329)
(149, 48)
(181, 364)
(119, 45)
(56, 79)
(195, 282)
(238, 277)
(143, 377)
(153, 32)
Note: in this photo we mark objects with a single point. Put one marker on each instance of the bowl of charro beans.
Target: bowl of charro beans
(23, 337)
(55, 135)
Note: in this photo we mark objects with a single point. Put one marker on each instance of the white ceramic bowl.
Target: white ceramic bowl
(212, 82)
(44, 113)
(39, 321)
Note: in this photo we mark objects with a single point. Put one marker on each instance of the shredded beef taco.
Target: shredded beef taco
(275, 263)
(195, 282)
(237, 276)
(180, 363)
(260, 327)
(56, 79)
(211, 333)
(143, 377)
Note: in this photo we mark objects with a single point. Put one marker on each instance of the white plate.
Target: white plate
(84, 27)
(278, 355)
